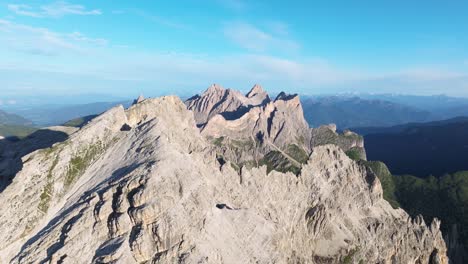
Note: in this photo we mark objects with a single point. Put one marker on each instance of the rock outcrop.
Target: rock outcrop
(231, 103)
(276, 129)
(143, 185)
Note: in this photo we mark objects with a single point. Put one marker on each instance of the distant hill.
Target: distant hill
(13, 119)
(51, 115)
(12, 125)
(420, 149)
(403, 127)
(79, 122)
(348, 112)
(16, 131)
(428, 103)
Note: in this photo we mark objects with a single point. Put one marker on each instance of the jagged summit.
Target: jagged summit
(214, 88)
(139, 99)
(286, 97)
(258, 96)
(146, 185)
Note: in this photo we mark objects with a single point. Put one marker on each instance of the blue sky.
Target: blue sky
(123, 48)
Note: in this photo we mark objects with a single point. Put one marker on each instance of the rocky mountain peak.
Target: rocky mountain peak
(147, 185)
(286, 97)
(214, 88)
(139, 99)
(256, 89)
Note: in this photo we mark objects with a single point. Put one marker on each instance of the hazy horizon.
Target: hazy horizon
(126, 48)
(90, 98)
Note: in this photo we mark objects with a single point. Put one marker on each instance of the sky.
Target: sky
(117, 49)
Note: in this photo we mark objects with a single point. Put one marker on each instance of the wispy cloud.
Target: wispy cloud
(42, 41)
(151, 72)
(55, 10)
(254, 39)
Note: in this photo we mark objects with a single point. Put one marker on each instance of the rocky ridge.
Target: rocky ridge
(276, 129)
(144, 185)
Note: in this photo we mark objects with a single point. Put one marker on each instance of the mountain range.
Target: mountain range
(221, 177)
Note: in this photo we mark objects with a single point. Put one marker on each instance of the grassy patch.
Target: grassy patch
(348, 259)
(297, 153)
(81, 161)
(46, 194)
(244, 144)
(218, 141)
(16, 131)
(80, 121)
(386, 179)
(354, 153)
(274, 160)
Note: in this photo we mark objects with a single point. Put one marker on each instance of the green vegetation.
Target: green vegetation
(218, 141)
(348, 259)
(16, 131)
(81, 161)
(80, 121)
(235, 166)
(275, 160)
(46, 194)
(386, 179)
(244, 144)
(297, 153)
(354, 153)
(445, 197)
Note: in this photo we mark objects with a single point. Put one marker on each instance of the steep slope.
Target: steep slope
(144, 185)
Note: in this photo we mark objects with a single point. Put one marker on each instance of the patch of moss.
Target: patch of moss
(46, 194)
(81, 161)
(274, 160)
(348, 259)
(244, 144)
(297, 153)
(386, 180)
(354, 154)
(79, 122)
(218, 141)
(235, 166)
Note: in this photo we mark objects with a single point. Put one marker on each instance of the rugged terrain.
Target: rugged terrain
(239, 179)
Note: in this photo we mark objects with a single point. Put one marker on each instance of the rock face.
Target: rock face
(239, 123)
(143, 185)
(217, 100)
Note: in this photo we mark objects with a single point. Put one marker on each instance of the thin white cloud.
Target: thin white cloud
(23, 10)
(77, 36)
(42, 41)
(56, 9)
(254, 39)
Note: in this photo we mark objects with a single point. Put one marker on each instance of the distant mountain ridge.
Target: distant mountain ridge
(420, 149)
(348, 112)
(13, 119)
(56, 115)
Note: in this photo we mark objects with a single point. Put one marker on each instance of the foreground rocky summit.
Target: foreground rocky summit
(146, 185)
